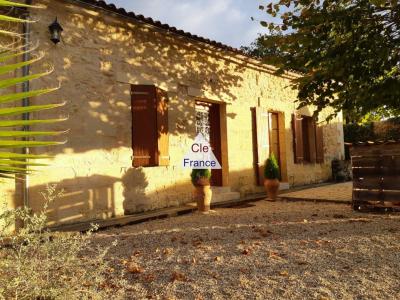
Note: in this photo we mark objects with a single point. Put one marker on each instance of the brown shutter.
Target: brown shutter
(144, 125)
(262, 141)
(319, 142)
(162, 155)
(312, 124)
(297, 138)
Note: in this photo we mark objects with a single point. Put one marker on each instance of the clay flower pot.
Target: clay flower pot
(203, 194)
(272, 188)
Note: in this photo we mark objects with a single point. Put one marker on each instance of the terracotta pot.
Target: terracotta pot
(203, 195)
(272, 188)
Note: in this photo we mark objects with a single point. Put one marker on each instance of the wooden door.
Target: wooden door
(208, 123)
(274, 135)
(215, 142)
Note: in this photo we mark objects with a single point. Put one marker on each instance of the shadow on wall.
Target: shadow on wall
(101, 197)
(99, 59)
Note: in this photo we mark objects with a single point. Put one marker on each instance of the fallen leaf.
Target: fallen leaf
(134, 268)
(149, 277)
(177, 276)
(284, 273)
(196, 243)
(246, 252)
(167, 251)
(217, 258)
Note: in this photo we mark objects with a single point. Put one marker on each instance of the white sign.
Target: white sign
(200, 155)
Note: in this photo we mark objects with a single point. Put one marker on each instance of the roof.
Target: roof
(150, 21)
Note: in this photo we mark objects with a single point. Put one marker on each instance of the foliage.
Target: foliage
(348, 51)
(271, 169)
(267, 48)
(388, 130)
(13, 163)
(200, 174)
(38, 264)
(354, 132)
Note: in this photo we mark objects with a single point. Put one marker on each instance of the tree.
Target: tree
(348, 52)
(13, 163)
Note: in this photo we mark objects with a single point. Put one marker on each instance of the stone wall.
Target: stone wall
(100, 56)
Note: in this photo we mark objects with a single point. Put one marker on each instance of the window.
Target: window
(308, 140)
(150, 142)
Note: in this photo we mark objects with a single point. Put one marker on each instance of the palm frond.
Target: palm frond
(16, 165)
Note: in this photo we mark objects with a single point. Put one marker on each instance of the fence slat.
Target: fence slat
(375, 182)
(376, 195)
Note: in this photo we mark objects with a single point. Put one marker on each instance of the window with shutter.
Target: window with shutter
(297, 126)
(308, 140)
(319, 140)
(149, 126)
(262, 146)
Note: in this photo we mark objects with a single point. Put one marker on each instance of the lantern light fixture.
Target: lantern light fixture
(55, 31)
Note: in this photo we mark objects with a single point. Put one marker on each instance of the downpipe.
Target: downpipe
(26, 101)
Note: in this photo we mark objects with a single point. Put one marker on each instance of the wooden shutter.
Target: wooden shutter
(262, 141)
(162, 155)
(149, 126)
(312, 125)
(319, 143)
(144, 125)
(297, 127)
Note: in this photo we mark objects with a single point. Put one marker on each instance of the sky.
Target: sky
(226, 21)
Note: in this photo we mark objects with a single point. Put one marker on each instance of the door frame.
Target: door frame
(218, 135)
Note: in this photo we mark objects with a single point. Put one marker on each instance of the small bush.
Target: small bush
(358, 132)
(200, 174)
(38, 264)
(271, 170)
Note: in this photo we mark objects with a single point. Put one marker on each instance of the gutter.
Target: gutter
(26, 101)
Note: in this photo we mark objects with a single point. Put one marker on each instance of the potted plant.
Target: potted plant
(202, 194)
(271, 177)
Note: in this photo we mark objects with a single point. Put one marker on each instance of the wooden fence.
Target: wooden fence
(376, 175)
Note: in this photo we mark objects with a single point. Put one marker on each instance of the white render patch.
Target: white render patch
(200, 155)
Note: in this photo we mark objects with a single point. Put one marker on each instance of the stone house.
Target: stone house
(139, 91)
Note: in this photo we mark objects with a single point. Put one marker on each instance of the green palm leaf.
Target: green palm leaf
(11, 155)
(16, 4)
(23, 144)
(12, 111)
(20, 96)
(5, 83)
(8, 68)
(30, 133)
(20, 162)
(7, 56)
(11, 123)
(12, 19)
(15, 165)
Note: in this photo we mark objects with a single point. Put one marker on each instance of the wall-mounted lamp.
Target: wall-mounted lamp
(55, 31)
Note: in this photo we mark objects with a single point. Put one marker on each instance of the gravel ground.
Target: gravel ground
(263, 250)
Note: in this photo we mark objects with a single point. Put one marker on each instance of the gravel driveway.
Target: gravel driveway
(264, 250)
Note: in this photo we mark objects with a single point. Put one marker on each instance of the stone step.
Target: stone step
(222, 197)
(220, 189)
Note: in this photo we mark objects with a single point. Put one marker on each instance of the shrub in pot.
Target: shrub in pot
(202, 194)
(271, 177)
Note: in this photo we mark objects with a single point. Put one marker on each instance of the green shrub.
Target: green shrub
(200, 174)
(38, 264)
(358, 132)
(271, 170)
